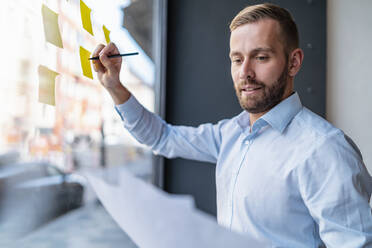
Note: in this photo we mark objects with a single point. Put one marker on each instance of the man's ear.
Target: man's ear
(295, 61)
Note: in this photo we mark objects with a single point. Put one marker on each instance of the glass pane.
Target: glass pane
(56, 122)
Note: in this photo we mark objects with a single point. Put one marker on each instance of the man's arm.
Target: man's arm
(198, 143)
(201, 143)
(336, 188)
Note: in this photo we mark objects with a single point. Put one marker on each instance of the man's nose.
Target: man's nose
(246, 71)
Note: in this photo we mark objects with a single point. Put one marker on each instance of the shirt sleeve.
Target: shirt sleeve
(198, 143)
(336, 188)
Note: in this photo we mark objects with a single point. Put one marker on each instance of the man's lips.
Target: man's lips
(249, 88)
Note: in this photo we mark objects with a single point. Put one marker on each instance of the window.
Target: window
(44, 145)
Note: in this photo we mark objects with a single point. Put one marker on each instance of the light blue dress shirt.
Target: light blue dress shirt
(292, 179)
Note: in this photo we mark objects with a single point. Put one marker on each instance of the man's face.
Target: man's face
(259, 66)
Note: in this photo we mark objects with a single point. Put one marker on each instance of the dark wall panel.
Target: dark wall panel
(199, 88)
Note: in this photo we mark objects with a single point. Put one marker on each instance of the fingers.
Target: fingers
(109, 63)
(97, 65)
(110, 49)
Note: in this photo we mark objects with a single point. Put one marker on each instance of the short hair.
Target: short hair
(255, 13)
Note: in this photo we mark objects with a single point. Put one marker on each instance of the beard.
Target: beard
(267, 98)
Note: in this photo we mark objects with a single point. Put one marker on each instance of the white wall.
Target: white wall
(349, 71)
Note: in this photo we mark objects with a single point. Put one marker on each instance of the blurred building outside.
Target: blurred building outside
(68, 134)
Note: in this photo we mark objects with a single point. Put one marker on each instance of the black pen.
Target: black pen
(115, 55)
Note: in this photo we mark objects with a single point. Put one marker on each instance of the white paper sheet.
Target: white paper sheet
(156, 219)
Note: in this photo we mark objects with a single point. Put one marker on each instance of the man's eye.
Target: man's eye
(236, 61)
(262, 58)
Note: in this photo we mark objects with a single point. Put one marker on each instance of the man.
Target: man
(283, 173)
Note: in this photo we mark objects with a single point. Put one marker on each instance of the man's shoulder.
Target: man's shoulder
(318, 133)
(314, 126)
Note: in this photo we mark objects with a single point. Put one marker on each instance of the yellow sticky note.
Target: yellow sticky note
(107, 34)
(47, 85)
(85, 17)
(51, 28)
(85, 62)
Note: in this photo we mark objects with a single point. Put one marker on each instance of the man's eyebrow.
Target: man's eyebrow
(234, 53)
(263, 49)
(254, 51)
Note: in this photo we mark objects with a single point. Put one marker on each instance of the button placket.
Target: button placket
(248, 143)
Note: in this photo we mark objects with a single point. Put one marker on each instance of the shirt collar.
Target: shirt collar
(278, 117)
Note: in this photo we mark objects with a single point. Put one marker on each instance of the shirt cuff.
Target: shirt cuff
(130, 111)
